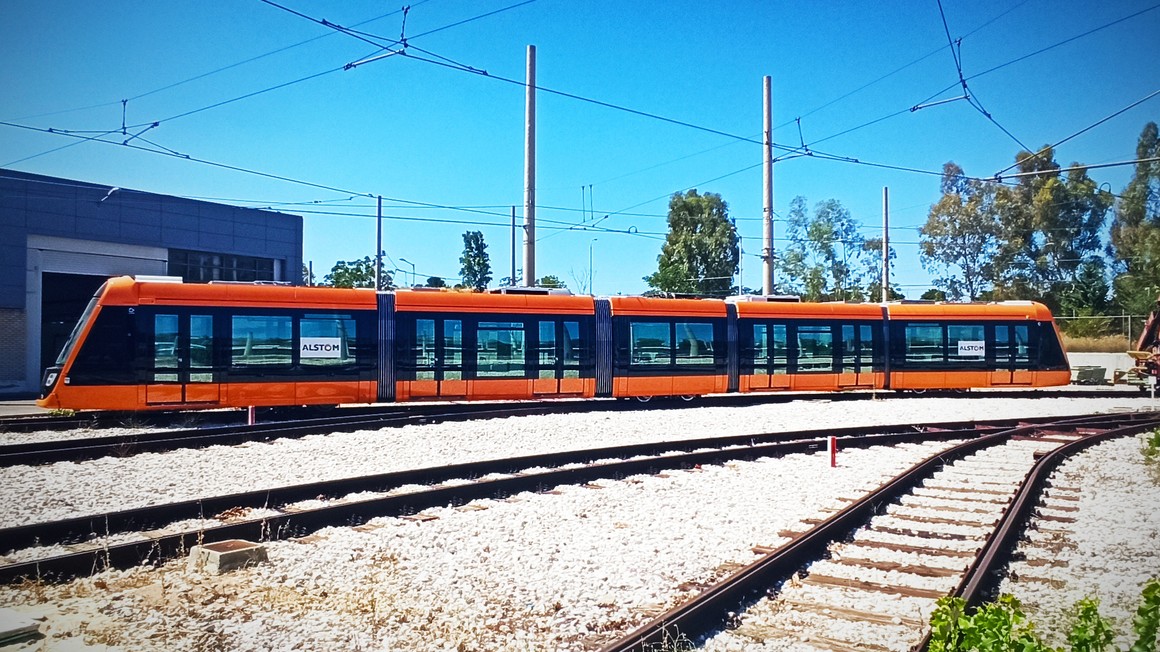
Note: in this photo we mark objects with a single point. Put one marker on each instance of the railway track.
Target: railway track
(87, 448)
(879, 569)
(212, 418)
(78, 546)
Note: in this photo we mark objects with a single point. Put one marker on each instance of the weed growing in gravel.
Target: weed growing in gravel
(676, 642)
(1002, 626)
(1151, 451)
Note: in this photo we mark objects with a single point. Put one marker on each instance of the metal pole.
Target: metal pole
(590, 288)
(512, 278)
(740, 265)
(379, 247)
(767, 187)
(885, 244)
(530, 173)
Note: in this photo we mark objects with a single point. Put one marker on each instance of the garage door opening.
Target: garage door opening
(63, 299)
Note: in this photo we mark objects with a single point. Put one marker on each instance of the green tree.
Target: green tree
(700, 253)
(476, 264)
(824, 257)
(435, 282)
(934, 294)
(550, 281)
(1135, 232)
(356, 274)
(1050, 226)
(872, 251)
(307, 276)
(960, 239)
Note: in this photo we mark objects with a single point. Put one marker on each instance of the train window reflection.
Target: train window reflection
(327, 340)
(815, 348)
(694, 343)
(651, 343)
(501, 350)
(261, 341)
(924, 343)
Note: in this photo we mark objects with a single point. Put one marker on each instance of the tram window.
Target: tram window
(573, 348)
(760, 349)
(165, 349)
(201, 348)
(423, 349)
(866, 347)
(546, 357)
(815, 348)
(1002, 346)
(1050, 352)
(966, 343)
(327, 340)
(924, 343)
(779, 348)
(651, 343)
(849, 348)
(1023, 353)
(261, 341)
(500, 353)
(452, 349)
(695, 343)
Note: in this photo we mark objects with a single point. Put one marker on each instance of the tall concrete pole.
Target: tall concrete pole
(379, 247)
(512, 278)
(530, 173)
(767, 251)
(885, 244)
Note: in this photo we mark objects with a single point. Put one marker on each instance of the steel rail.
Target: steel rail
(79, 529)
(99, 419)
(711, 609)
(984, 574)
(301, 523)
(79, 449)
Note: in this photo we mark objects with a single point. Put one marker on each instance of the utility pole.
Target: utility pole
(379, 247)
(512, 278)
(885, 244)
(767, 251)
(530, 172)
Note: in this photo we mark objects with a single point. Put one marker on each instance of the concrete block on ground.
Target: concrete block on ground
(225, 556)
(15, 626)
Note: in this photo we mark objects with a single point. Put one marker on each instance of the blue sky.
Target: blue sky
(415, 131)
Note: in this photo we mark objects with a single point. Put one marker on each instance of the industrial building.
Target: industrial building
(60, 239)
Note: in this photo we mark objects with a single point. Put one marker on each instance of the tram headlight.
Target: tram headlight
(50, 379)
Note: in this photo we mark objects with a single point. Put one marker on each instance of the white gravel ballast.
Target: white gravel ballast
(542, 571)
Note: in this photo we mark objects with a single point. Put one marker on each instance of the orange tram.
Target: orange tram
(160, 344)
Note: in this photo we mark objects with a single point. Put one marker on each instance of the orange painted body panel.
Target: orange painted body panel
(776, 309)
(646, 307)
(668, 385)
(413, 301)
(124, 291)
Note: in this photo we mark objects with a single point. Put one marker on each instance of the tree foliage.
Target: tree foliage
(1050, 227)
(550, 281)
(826, 253)
(700, 253)
(435, 282)
(960, 240)
(475, 263)
(1135, 231)
(356, 274)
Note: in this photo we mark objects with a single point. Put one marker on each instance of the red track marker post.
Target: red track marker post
(833, 452)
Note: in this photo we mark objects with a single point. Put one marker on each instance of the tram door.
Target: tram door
(183, 360)
(558, 359)
(1012, 355)
(857, 356)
